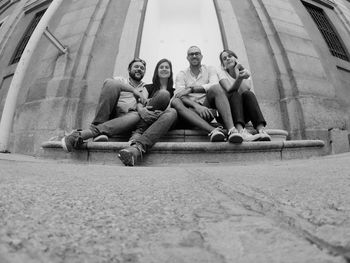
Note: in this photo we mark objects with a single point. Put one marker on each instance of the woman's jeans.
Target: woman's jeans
(245, 108)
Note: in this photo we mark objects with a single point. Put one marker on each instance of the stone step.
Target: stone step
(187, 147)
(188, 135)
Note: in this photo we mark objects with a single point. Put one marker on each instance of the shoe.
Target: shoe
(264, 136)
(130, 155)
(248, 137)
(234, 136)
(72, 141)
(101, 138)
(217, 135)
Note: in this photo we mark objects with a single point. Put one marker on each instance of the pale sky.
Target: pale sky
(172, 26)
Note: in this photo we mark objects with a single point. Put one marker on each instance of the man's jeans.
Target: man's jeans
(110, 122)
(159, 128)
(107, 119)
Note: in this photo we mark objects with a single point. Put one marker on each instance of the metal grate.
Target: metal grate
(335, 46)
(24, 41)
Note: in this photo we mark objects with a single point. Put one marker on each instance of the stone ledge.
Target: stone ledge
(191, 135)
(168, 153)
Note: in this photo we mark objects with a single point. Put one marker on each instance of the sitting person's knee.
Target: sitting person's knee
(160, 100)
(215, 90)
(176, 102)
(111, 85)
(247, 93)
(163, 94)
(171, 112)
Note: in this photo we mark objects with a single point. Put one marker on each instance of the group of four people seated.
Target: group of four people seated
(200, 93)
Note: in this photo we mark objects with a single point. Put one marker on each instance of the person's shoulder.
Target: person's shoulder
(182, 73)
(120, 78)
(222, 74)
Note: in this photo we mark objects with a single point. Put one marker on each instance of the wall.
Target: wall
(300, 86)
(57, 90)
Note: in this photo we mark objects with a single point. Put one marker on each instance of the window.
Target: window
(24, 41)
(335, 45)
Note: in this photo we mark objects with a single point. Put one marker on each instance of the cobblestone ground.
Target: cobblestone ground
(295, 211)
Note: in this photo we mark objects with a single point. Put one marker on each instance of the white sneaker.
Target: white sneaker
(248, 137)
(264, 136)
(234, 136)
(217, 135)
(101, 138)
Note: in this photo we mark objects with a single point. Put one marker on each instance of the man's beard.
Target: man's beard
(133, 76)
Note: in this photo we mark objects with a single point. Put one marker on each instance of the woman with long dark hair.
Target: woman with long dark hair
(160, 92)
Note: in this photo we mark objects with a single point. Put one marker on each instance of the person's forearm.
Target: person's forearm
(126, 87)
(188, 102)
(139, 107)
(235, 86)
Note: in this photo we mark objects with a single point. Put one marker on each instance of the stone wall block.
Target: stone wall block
(298, 45)
(80, 4)
(82, 65)
(339, 141)
(100, 14)
(286, 88)
(272, 114)
(291, 117)
(306, 65)
(282, 4)
(79, 85)
(321, 113)
(37, 91)
(45, 114)
(24, 142)
(314, 86)
(72, 29)
(73, 43)
(27, 116)
(58, 87)
(291, 29)
(286, 15)
(76, 15)
(278, 56)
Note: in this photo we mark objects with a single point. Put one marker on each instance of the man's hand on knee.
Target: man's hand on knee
(204, 112)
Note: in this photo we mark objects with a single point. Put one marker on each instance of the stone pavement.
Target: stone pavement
(282, 211)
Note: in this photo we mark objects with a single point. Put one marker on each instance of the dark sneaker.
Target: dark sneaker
(72, 141)
(234, 136)
(217, 135)
(264, 136)
(101, 138)
(130, 155)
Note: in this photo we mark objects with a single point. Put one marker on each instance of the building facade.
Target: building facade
(297, 51)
